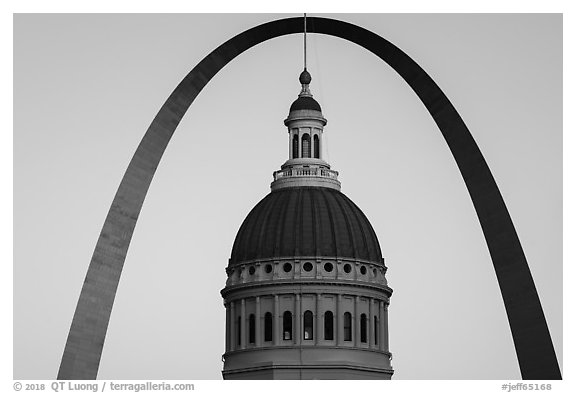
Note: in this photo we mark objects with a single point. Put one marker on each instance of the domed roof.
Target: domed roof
(305, 102)
(305, 222)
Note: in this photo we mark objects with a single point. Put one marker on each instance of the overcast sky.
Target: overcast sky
(86, 88)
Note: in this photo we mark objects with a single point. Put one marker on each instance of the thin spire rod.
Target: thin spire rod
(304, 40)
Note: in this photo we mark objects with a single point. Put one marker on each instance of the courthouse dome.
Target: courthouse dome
(306, 222)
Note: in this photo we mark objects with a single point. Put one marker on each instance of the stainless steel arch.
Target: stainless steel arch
(532, 340)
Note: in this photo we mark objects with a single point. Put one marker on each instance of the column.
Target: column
(299, 144)
(276, 320)
(338, 331)
(290, 150)
(298, 319)
(312, 142)
(228, 330)
(243, 323)
(371, 323)
(258, 323)
(231, 327)
(382, 327)
(356, 332)
(317, 330)
(385, 328)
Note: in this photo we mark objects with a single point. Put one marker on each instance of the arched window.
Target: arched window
(239, 332)
(316, 146)
(251, 329)
(306, 146)
(295, 146)
(347, 326)
(376, 327)
(328, 325)
(287, 325)
(363, 328)
(308, 325)
(268, 326)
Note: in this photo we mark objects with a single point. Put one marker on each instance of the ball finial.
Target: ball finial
(305, 77)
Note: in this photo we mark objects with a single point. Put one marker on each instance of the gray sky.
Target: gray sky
(86, 88)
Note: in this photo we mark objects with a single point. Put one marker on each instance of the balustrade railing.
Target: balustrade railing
(305, 172)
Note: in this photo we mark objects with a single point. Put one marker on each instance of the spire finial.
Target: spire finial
(305, 77)
(304, 41)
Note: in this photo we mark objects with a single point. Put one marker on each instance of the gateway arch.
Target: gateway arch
(532, 341)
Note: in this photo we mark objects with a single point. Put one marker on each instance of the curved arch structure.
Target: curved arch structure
(532, 340)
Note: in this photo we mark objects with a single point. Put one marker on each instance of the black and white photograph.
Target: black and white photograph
(288, 196)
